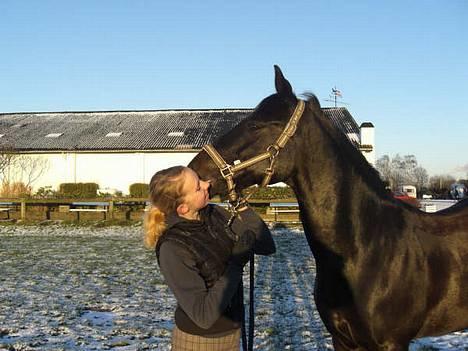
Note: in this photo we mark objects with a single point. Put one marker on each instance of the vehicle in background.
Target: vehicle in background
(405, 197)
(410, 190)
(458, 191)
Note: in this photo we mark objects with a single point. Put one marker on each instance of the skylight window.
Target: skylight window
(184, 146)
(175, 134)
(53, 135)
(113, 134)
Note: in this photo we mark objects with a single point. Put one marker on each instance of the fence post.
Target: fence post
(110, 214)
(23, 209)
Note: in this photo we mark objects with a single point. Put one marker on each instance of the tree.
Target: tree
(18, 172)
(439, 185)
(398, 171)
(30, 168)
(7, 158)
(385, 169)
(421, 178)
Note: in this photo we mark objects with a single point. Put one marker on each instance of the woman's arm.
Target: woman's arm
(248, 219)
(264, 244)
(203, 306)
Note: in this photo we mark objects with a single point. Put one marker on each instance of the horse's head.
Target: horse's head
(252, 137)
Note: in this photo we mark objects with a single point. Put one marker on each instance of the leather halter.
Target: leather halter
(229, 171)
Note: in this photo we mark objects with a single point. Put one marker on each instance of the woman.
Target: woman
(201, 258)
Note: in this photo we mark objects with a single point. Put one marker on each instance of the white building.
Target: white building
(118, 148)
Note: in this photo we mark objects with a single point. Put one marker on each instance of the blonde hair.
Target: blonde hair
(165, 195)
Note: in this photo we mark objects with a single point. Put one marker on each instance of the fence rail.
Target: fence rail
(72, 209)
(101, 208)
(284, 210)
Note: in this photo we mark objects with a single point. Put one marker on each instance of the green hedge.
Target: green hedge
(80, 190)
(139, 190)
(271, 193)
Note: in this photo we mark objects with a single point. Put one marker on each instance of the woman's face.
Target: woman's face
(195, 190)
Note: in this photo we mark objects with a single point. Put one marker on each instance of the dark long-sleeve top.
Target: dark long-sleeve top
(206, 306)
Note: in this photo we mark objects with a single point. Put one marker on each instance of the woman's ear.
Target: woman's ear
(182, 209)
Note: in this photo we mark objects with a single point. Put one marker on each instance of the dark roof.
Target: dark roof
(367, 125)
(342, 119)
(141, 130)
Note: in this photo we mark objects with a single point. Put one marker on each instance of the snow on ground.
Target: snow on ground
(87, 288)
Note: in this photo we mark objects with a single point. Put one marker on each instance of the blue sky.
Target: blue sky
(400, 64)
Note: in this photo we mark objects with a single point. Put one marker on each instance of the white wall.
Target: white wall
(109, 170)
(368, 138)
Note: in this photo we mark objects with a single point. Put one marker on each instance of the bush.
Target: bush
(270, 193)
(79, 190)
(45, 193)
(109, 192)
(15, 189)
(139, 190)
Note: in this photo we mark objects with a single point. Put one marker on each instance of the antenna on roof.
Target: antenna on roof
(335, 94)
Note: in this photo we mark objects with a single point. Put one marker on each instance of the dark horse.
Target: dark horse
(386, 272)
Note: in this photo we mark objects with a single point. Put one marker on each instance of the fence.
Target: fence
(285, 210)
(118, 209)
(71, 209)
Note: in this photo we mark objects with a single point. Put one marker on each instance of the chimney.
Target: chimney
(368, 142)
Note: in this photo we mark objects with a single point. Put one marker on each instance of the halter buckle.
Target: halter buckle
(226, 171)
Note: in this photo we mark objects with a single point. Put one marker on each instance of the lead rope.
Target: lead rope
(235, 202)
(251, 302)
(247, 344)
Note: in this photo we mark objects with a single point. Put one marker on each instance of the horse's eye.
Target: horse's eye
(253, 125)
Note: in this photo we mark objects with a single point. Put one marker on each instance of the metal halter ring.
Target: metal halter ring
(276, 152)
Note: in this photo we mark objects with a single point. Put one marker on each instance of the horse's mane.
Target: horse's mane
(343, 145)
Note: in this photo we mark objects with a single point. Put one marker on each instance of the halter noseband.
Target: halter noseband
(229, 171)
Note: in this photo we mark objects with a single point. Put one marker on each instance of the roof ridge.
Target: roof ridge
(129, 111)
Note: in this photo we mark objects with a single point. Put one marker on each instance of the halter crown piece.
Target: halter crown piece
(229, 171)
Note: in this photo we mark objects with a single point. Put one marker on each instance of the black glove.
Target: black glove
(243, 248)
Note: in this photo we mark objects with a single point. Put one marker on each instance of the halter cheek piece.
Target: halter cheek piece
(229, 171)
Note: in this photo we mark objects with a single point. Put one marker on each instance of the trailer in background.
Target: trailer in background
(410, 190)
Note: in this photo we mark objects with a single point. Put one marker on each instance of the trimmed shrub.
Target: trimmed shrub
(139, 190)
(270, 193)
(80, 190)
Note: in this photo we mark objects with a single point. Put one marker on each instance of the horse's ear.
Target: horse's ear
(282, 85)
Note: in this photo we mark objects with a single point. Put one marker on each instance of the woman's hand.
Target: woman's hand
(243, 248)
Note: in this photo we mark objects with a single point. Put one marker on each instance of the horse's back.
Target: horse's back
(452, 221)
(461, 207)
(444, 239)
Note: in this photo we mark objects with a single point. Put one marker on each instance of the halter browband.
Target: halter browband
(228, 171)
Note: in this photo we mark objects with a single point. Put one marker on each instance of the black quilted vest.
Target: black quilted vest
(210, 243)
(208, 240)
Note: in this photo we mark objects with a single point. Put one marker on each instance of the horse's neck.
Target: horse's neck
(332, 195)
